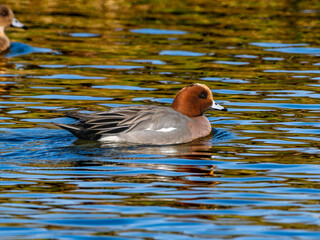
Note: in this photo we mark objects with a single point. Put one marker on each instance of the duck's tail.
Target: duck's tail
(79, 131)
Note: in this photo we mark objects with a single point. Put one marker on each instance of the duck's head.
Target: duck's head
(194, 100)
(7, 18)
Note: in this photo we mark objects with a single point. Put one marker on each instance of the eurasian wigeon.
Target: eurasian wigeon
(149, 124)
(7, 19)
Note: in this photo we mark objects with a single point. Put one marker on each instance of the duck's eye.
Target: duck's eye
(4, 13)
(203, 94)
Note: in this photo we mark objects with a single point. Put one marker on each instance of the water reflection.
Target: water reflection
(84, 35)
(198, 149)
(18, 49)
(158, 31)
(181, 53)
(297, 50)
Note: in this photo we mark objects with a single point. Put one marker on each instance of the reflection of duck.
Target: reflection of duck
(7, 19)
(155, 125)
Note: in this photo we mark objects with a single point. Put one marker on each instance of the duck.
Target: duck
(7, 19)
(182, 122)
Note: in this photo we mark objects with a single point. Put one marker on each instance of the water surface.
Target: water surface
(256, 177)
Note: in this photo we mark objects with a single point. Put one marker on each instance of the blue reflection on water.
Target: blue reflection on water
(158, 31)
(124, 87)
(277, 45)
(115, 67)
(68, 97)
(151, 61)
(84, 35)
(297, 50)
(181, 53)
(291, 71)
(67, 76)
(277, 105)
(273, 58)
(227, 80)
(19, 49)
(232, 62)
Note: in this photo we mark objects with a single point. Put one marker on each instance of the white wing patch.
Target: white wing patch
(169, 129)
(110, 139)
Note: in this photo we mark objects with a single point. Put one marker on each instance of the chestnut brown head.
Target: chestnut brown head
(194, 100)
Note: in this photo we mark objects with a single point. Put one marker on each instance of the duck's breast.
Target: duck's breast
(199, 127)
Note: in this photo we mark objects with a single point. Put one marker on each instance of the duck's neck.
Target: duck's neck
(2, 31)
(4, 40)
(188, 111)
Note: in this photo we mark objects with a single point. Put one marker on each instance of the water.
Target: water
(256, 177)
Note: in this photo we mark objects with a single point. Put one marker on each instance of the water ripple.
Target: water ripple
(255, 177)
(181, 53)
(158, 31)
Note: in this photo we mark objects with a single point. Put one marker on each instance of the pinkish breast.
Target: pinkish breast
(200, 127)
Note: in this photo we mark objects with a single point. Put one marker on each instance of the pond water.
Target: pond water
(256, 177)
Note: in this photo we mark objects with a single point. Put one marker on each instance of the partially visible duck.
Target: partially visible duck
(149, 124)
(7, 19)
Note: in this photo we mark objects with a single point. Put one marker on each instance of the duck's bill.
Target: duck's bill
(16, 23)
(216, 106)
